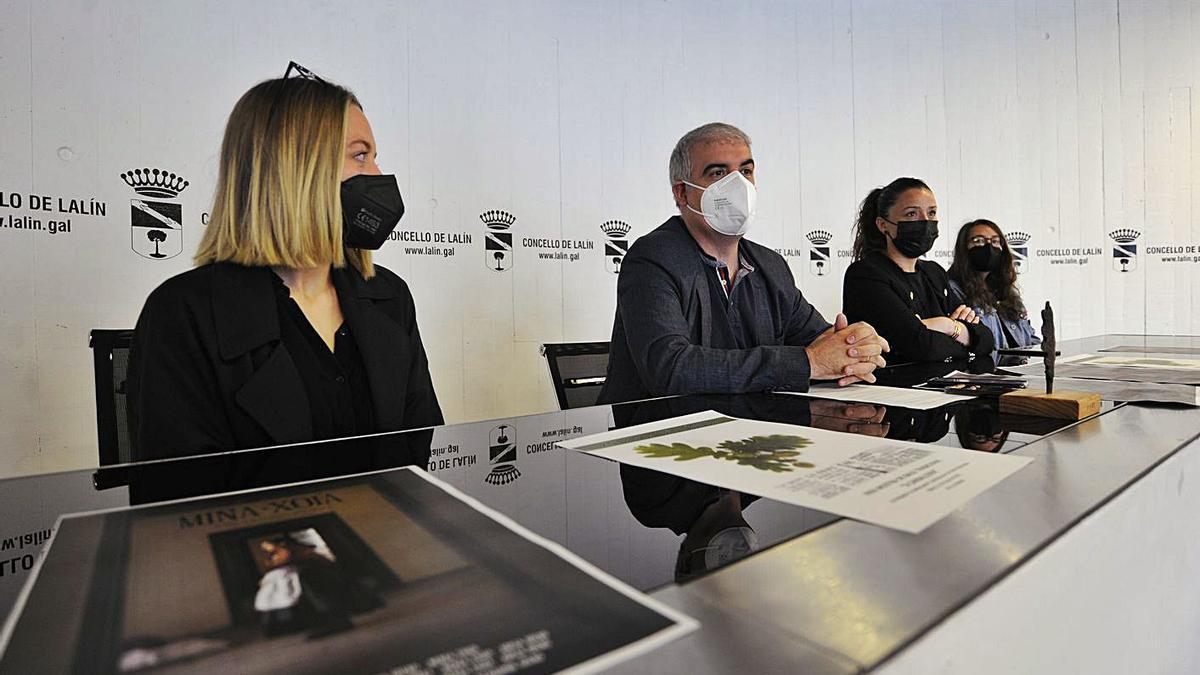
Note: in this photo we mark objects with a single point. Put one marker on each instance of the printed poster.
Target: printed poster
(1133, 361)
(1150, 349)
(1125, 390)
(391, 573)
(1123, 368)
(896, 484)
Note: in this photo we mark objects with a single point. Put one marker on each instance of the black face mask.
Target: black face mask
(371, 209)
(984, 423)
(985, 258)
(914, 238)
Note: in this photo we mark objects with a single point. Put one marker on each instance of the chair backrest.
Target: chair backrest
(110, 358)
(577, 370)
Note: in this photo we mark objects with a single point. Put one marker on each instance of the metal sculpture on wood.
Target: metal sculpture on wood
(1049, 346)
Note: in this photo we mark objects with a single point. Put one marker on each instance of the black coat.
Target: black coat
(877, 291)
(208, 371)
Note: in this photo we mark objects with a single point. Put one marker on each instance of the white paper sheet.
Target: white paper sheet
(916, 399)
(896, 484)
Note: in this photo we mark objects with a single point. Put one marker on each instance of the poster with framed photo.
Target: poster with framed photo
(387, 572)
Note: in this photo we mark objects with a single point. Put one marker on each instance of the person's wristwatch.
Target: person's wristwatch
(957, 329)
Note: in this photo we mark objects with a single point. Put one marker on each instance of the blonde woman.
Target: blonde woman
(285, 331)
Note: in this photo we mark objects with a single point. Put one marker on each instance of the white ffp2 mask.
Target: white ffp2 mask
(728, 204)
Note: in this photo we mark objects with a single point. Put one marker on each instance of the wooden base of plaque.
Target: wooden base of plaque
(1070, 405)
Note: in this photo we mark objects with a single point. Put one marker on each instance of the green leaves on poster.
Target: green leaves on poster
(776, 452)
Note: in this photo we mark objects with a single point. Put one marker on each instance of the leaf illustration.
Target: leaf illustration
(681, 452)
(776, 453)
(766, 443)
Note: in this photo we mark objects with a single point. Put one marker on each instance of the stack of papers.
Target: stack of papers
(1149, 349)
(1124, 378)
(959, 376)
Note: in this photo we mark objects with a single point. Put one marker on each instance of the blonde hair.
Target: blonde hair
(278, 195)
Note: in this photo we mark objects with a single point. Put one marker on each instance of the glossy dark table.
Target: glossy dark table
(834, 602)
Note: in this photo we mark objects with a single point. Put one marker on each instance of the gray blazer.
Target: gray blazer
(663, 339)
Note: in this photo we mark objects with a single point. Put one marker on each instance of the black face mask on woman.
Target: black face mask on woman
(371, 209)
(984, 258)
(914, 238)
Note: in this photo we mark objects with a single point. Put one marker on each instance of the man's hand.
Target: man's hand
(855, 418)
(846, 353)
(964, 314)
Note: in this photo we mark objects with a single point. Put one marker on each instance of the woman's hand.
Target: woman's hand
(955, 328)
(941, 324)
(964, 314)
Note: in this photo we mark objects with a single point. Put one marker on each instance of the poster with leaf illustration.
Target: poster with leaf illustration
(896, 484)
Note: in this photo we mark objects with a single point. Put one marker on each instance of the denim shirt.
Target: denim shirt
(1022, 331)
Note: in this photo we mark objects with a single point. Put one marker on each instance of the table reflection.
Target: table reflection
(710, 519)
(912, 374)
(709, 522)
(210, 474)
(978, 427)
(920, 426)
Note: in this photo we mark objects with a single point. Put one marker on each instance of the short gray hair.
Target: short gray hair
(713, 132)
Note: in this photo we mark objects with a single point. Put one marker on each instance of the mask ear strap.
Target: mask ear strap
(885, 231)
(685, 202)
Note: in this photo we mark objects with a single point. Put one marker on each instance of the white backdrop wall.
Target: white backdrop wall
(1064, 120)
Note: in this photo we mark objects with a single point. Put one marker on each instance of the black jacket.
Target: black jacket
(877, 291)
(208, 371)
(663, 339)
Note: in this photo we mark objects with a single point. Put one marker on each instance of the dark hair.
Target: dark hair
(998, 290)
(867, 237)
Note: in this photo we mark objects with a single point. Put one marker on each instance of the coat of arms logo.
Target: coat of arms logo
(156, 227)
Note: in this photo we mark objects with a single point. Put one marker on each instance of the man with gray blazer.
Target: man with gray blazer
(700, 309)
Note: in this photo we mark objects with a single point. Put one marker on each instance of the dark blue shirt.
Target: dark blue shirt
(735, 299)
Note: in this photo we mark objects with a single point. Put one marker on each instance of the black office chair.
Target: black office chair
(578, 370)
(110, 356)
